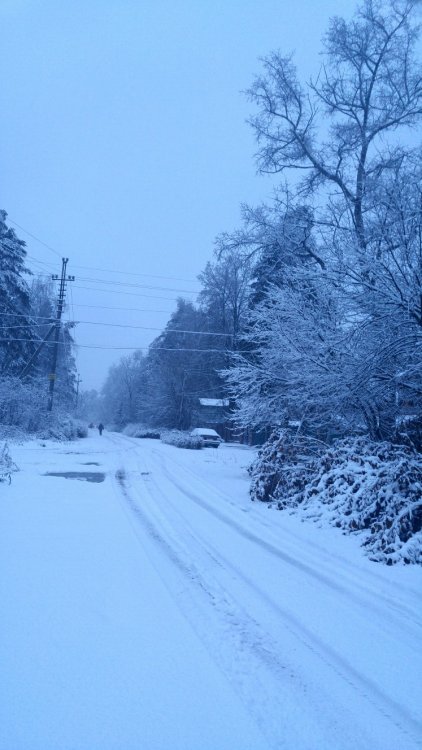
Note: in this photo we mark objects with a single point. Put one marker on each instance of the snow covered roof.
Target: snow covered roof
(214, 401)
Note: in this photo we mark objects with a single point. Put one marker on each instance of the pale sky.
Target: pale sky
(124, 144)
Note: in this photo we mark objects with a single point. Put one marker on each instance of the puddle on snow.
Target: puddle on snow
(84, 476)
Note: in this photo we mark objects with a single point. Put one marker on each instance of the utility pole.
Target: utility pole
(78, 382)
(60, 305)
(36, 353)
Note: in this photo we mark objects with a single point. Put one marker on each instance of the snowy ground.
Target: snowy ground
(161, 609)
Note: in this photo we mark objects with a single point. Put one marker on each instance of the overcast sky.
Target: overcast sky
(124, 145)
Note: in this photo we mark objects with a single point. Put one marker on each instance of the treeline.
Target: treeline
(28, 307)
(185, 362)
(311, 311)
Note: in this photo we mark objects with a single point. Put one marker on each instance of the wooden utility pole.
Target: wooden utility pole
(78, 382)
(36, 353)
(60, 304)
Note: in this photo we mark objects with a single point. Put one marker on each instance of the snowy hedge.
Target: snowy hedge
(182, 439)
(23, 411)
(60, 427)
(281, 465)
(22, 404)
(140, 431)
(7, 466)
(357, 485)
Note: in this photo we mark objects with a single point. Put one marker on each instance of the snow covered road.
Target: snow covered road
(161, 609)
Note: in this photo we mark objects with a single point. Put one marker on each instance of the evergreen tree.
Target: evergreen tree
(17, 329)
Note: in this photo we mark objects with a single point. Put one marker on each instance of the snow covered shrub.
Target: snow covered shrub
(356, 485)
(7, 466)
(281, 466)
(22, 404)
(81, 429)
(409, 432)
(23, 409)
(12, 434)
(182, 439)
(62, 427)
(377, 487)
(140, 431)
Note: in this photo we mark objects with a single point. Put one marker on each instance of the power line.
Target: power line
(150, 328)
(127, 309)
(91, 268)
(130, 348)
(29, 317)
(133, 273)
(34, 237)
(94, 307)
(116, 271)
(42, 262)
(31, 325)
(121, 291)
(122, 325)
(89, 279)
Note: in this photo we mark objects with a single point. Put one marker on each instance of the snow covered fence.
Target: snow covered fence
(7, 465)
(182, 439)
(357, 485)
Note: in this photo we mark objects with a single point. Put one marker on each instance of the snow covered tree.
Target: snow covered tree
(300, 363)
(384, 292)
(369, 88)
(17, 329)
(224, 298)
(184, 363)
(123, 389)
(335, 338)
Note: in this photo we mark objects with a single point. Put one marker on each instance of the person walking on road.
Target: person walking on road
(100, 428)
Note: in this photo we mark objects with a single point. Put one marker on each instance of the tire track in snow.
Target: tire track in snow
(378, 580)
(368, 690)
(359, 682)
(240, 634)
(401, 614)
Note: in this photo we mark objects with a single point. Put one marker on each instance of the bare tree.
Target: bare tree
(226, 285)
(369, 87)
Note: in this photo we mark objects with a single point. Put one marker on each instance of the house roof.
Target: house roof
(214, 401)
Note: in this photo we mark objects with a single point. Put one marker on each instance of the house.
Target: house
(213, 413)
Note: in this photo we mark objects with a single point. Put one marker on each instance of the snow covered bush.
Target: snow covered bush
(7, 466)
(182, 439)
(281, 466)
(22, 404)
(356, 485)
(23, 411)
(409, 432)
(140, 431)
(12, 434)
(81, 429)
(62, 427)
(377, 487)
